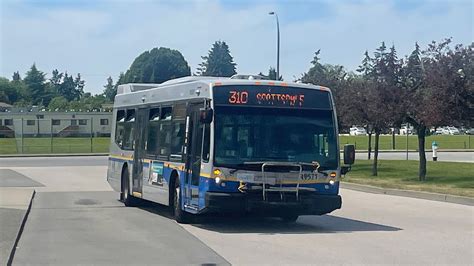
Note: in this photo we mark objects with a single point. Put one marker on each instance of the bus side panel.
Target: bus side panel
(117, 159)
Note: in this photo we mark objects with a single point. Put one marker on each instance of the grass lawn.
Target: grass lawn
(442, 177)
(54, 145)
(444, 142)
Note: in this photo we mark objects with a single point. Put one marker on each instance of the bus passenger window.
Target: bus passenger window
(119, 128)
(129, 124)
(166, 113)
(206, 145)
(177, 139)
(153, 128)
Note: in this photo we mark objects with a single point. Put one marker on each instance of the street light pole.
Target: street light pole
(278, 45)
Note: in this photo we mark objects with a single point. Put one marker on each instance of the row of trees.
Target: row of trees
(62, 91)
(429, 87)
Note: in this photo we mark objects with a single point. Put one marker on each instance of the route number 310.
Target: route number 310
(238, 97)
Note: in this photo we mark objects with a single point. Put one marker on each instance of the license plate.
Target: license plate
(246, 177)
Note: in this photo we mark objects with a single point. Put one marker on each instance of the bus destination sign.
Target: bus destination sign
(275, 96)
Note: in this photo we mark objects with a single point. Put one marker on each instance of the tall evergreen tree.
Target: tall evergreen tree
(366, 67)
(35, 81)
(110, 90)
(219, 62)
(272, 74)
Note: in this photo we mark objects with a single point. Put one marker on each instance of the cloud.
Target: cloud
(99, 39)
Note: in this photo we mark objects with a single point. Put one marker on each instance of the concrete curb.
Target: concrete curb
(409, 193)
(52, 155)
(20, 230)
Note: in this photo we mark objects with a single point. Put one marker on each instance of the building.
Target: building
(34, 123)
(4, 107)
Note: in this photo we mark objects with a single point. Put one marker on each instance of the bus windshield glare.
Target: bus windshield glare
(253, 134)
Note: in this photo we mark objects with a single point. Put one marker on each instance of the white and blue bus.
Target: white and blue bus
(205, 144)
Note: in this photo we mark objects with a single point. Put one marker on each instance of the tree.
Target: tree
(110, 90)
(58, 103)
(219, 62)
(156, 66)
(8, 92)
(70, 88)
(16, 77)
(272, 75)
(35, 81)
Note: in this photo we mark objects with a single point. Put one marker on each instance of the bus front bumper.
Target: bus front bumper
(307, 204)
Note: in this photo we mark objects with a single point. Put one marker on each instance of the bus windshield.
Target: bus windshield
(253, 134)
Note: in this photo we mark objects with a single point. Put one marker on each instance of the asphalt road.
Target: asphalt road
(76, 219)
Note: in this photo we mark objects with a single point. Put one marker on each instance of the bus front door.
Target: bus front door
(139, 153)
(193, 156)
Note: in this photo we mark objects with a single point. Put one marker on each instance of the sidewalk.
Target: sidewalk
(15, 204)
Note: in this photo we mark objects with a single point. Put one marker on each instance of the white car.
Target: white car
(438, 131)
(450, 131)
(357, 131)
(406, 130)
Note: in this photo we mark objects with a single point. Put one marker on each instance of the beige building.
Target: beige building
(35, 123)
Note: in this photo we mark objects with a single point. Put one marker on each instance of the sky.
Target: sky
(101, 38)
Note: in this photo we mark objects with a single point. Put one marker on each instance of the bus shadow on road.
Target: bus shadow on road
(304, 225)
(268, 225)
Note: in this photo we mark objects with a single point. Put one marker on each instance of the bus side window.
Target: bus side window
(178, 131)
(206, 145)
(119, 128)
(164, 132)
(153, 126)
(129, 124)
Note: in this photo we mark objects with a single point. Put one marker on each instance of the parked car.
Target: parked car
(470, 131)
(406, 130)
(450, 131)
(438, 131)
(357, 131)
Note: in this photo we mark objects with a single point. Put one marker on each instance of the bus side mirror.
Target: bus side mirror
(205, 115)
(349, 154)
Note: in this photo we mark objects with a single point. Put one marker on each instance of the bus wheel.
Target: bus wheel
(289, 218)
(125, 196)
(179, 215)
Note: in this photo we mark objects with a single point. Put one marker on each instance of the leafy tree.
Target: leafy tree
(110, 90)
(156, 66)
(35, 81)
(58, 103)
(219, 62)
(438, 90)
(8, 91)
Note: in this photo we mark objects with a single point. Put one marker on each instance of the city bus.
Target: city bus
(227, 145)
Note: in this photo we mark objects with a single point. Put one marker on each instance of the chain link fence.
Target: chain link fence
(54, 136)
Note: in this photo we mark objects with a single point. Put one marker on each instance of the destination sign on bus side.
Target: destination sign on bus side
(276, 96)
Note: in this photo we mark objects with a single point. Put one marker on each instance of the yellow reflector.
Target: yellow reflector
(333, 174)
(217, 172)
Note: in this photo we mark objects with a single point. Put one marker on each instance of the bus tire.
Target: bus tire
(179, 215)
(125, 196)
(289, 218)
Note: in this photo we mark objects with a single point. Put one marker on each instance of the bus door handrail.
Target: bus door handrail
(299, 165)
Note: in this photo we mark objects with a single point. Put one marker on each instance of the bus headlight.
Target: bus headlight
(217, 174)
(331, 182)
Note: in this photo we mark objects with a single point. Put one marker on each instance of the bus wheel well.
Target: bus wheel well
(174, 175)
